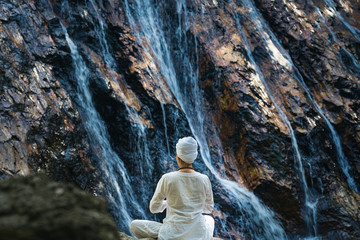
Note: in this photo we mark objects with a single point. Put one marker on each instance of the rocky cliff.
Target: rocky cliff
(98, 92)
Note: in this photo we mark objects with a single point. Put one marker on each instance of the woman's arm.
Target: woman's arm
(209, 201)
(158, 202)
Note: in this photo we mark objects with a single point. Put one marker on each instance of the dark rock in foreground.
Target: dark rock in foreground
(302, 53)
(35, 207)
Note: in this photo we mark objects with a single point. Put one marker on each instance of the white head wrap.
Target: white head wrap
(186, 149)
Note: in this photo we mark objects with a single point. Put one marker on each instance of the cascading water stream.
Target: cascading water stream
(141, 141)
(265, 30)
(114, 176)
(100, 31)
(147, 24)
(332, 6)
(143, 16)
(342, 160)
(165, 128)
(334, 38)
(310, 200)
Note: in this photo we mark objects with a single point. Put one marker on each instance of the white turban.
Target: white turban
(186, 149)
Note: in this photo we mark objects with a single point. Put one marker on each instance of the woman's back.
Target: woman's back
(185, 194)
(188, 196)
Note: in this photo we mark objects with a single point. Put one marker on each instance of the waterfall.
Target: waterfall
(165, 128)
(334, 38)
(117, 184)
(253, 218)
(342, 160)
(333, 10)
(97, 93)
(310, 200)
(268, 36)
(139, 130)
(258, 220)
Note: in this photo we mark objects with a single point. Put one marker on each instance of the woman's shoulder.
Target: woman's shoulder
(205, 177)
(169, 174)
(175, 174)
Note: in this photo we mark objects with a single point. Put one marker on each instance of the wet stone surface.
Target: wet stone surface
(243, 73)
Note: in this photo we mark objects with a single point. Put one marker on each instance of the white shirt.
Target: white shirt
(187, 195)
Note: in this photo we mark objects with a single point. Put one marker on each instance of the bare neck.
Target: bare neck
(183, 166)
(186, 168)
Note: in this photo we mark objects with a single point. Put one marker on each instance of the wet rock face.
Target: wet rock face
(250, 61)
(235, 53)
(327, 60)
(322, 37)
(40, 126)
(34, 207)
(42, 123)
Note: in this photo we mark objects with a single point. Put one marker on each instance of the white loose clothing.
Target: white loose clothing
(187, 195)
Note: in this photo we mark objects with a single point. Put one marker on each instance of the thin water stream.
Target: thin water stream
(182, 76)
(143, 16)
(269, 36)
(118, 188)
(310, 200)
(335, 39)
(165, 128)
(332, 8)
(137, 126)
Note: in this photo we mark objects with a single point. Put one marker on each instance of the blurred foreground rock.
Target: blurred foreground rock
(35, 207)
(298, 52)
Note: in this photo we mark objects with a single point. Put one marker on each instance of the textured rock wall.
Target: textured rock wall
(245, 116)
(40, 126)
(43, 126)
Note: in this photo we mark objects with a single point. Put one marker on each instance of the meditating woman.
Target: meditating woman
(186, 195)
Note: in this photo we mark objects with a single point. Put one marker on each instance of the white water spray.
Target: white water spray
(142, 15)
(114, 174)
